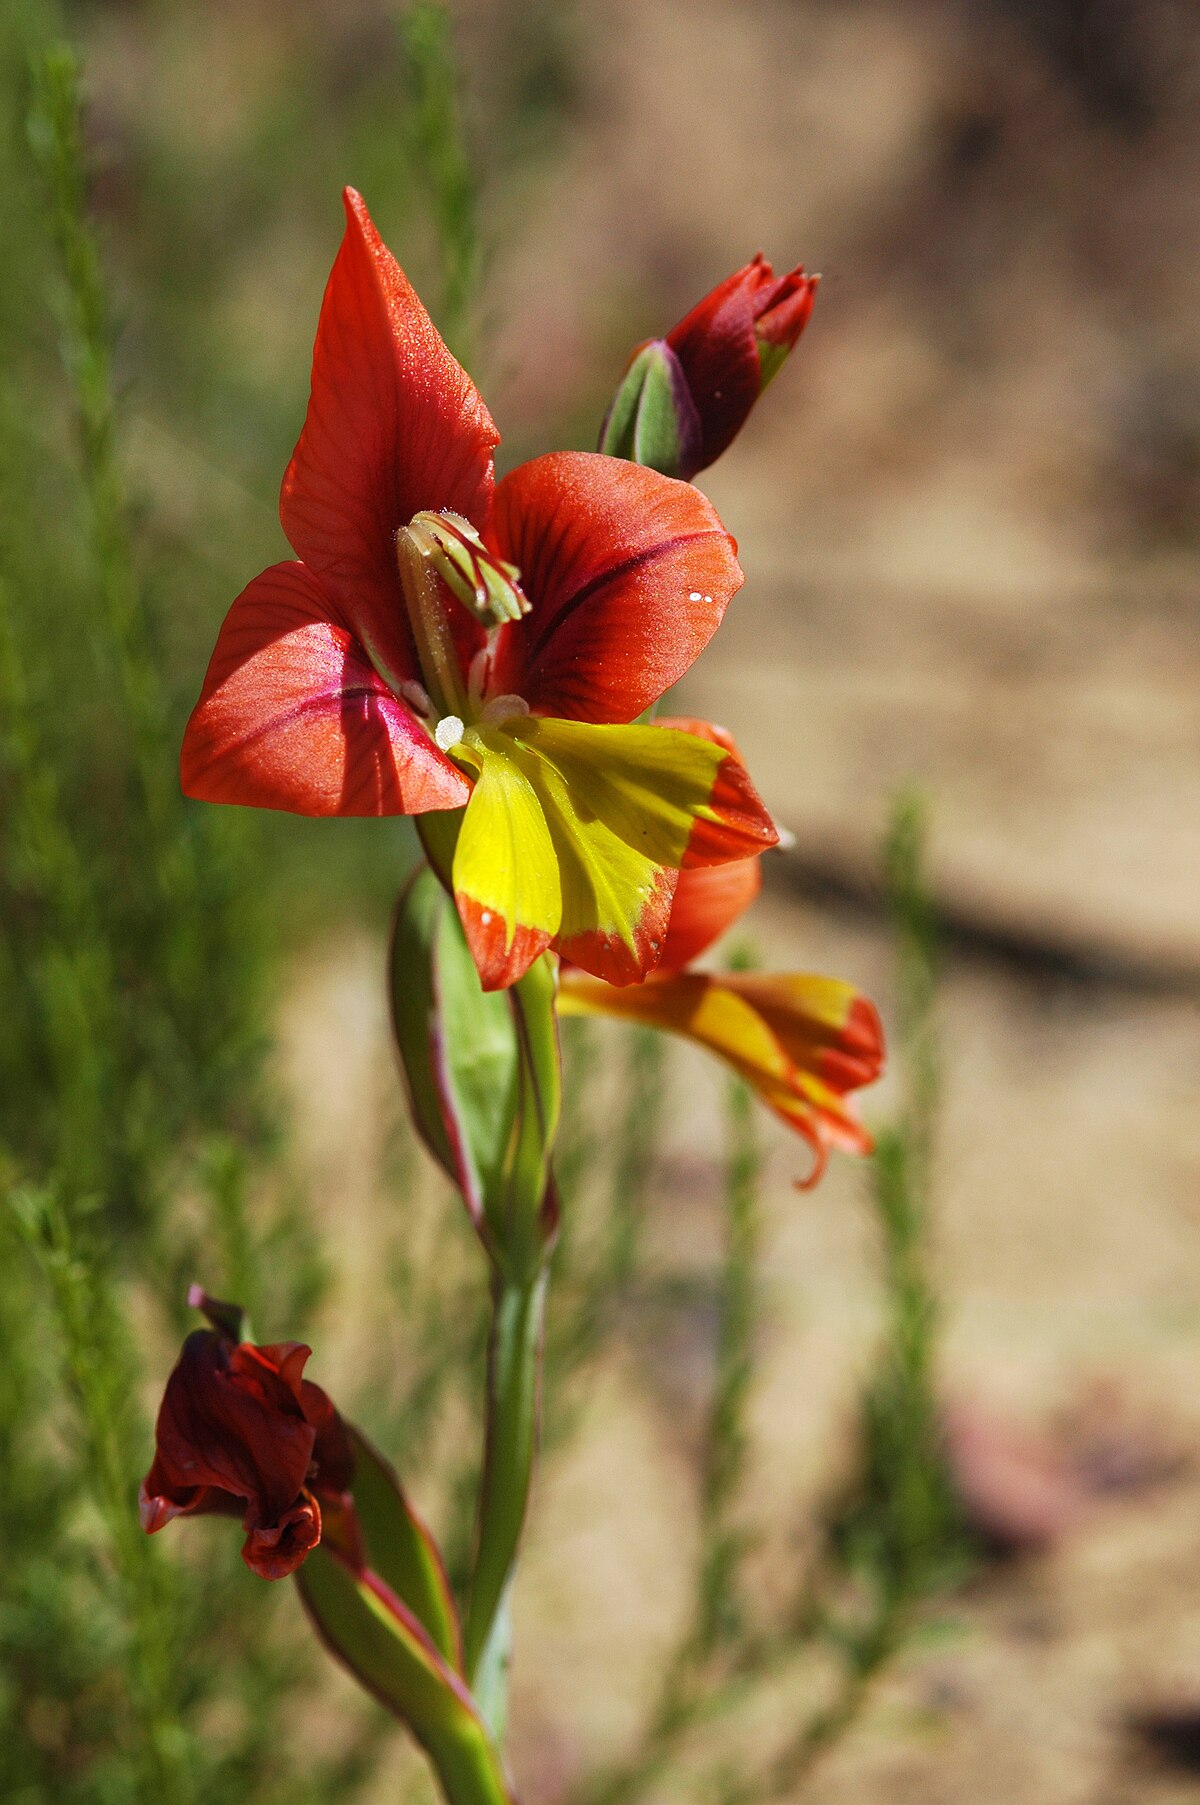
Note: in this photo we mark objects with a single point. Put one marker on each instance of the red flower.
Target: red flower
(684, 399)
(241, 1433)
(443, 642)
(804, 1043)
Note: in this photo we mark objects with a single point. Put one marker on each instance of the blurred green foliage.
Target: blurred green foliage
(141, 440)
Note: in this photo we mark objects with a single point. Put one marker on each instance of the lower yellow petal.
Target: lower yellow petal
(673, 796)
(505, 874)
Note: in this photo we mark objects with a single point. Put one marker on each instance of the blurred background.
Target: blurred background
(969, 513)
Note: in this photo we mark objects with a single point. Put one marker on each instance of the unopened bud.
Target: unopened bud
(685, 397)
(486, 585)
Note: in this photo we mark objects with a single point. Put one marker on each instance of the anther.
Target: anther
(485, 584)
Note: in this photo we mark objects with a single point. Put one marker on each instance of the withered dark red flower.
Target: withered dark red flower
(242, 1433)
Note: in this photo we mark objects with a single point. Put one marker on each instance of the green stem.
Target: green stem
(514, 1375)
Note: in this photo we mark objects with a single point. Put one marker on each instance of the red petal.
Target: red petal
(708, 900)
(742, 821)
(292, 716)
(239, 1434)
(717, 902)
(394, 425)
(703, 730)
(608, 956)
(628, 573)
(275, 1552)
(498, 961)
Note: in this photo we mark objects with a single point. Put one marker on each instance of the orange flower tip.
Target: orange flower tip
(816, 1171)
(736, 824)
(610, 957)
(861, 1044)
(845, 1133)
(502, 953)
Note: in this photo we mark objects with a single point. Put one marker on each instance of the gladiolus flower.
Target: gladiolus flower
(242, 1433)
(684, 398)
(804, 1043)
(444, 641)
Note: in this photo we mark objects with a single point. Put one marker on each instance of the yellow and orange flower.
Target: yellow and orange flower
(804, 1043)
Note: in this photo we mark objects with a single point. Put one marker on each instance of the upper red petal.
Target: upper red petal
(394, 425)
(628, 573)
(293, 716)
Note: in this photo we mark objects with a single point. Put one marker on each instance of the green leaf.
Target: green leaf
(414, 1015)
(483, 1073)
(401, 1550)
(368, 1629)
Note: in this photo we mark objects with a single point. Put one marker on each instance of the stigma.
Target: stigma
(448, 732)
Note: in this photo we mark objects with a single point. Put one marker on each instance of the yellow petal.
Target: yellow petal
(505, 874)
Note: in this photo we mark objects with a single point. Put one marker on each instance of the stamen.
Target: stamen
(448, 732)
(429, 615)
(488, 586)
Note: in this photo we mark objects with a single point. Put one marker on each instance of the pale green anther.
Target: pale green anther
(486, 585)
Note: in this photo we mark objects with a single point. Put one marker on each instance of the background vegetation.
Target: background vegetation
(173, 979)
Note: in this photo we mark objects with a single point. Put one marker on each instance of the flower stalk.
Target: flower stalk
(513, 1409)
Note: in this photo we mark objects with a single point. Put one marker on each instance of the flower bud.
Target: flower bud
(684, 399)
